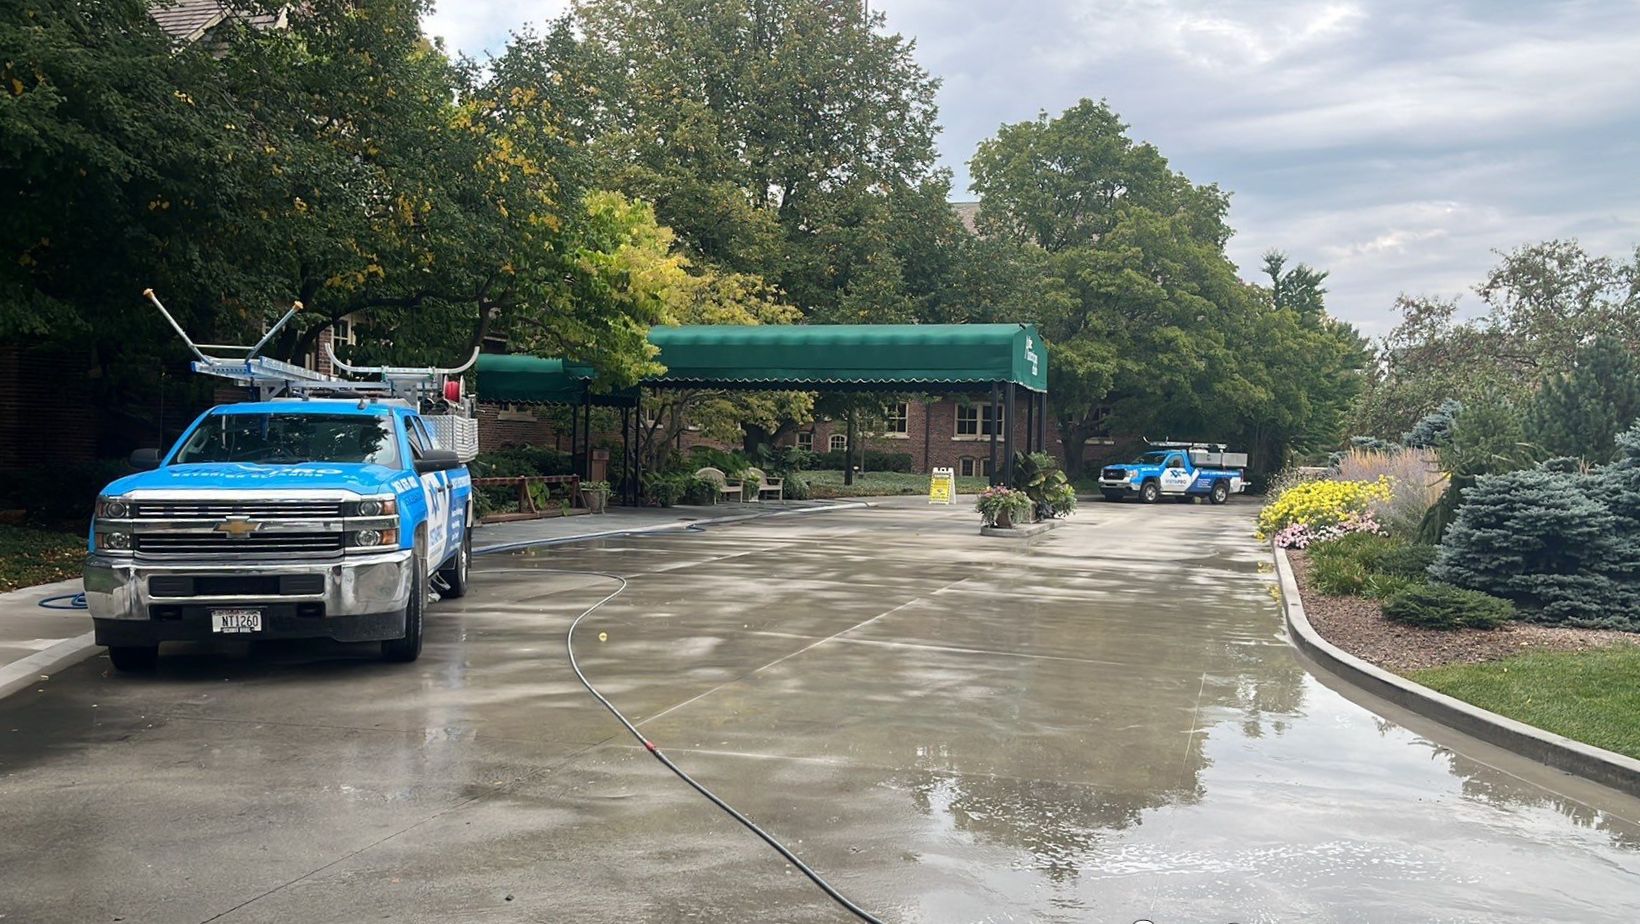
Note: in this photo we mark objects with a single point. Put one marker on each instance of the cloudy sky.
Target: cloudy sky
(1395, 143)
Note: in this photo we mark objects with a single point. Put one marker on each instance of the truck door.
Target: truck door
(1176, 477)
(435, 487)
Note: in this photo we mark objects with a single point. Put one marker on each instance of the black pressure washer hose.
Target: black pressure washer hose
(569, 645)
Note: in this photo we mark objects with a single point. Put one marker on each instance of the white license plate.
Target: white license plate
(230, 622)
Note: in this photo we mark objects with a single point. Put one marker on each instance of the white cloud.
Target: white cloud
(478, 26)
(1396, 143)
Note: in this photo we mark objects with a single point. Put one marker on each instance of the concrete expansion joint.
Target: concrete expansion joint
(1557, 751)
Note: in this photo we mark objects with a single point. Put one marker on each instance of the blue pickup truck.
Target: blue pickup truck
(318, 518)
(333, 508)
(1180, 470)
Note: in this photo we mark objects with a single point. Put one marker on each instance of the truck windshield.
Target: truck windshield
(284, 439)
(1150, 458)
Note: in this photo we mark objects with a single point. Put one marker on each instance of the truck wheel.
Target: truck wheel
(408, 648)
(454, 574)
(132, 659)
(1149, 492)
(1113, 496)
(1221, 492)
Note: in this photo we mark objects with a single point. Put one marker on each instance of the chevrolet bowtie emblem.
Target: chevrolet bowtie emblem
(237, 527)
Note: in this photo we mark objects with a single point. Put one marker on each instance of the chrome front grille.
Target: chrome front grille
(203, 510)
(210, 544)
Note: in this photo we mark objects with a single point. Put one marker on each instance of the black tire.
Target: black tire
(1220, 493)
(455, 572)
(1113, 496)
(1149, 492)
(407, 649)
(134, 659)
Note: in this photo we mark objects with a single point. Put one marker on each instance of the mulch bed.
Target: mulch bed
(1357, 625)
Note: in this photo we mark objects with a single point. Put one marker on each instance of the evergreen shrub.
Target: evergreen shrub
(1440, 606)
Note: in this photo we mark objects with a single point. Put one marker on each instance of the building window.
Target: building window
(518, 412)
(898, 419)
(975, 420)
(805, 440)
(839, 442)
(973, 468)
(343, 332)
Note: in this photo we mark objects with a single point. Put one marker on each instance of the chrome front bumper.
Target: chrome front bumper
(1123, 485)
(117, 587)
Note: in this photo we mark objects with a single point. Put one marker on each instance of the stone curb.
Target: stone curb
(1585, 760)
(1019, 532)
(21, 674)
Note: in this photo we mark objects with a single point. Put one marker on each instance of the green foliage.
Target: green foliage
(1149, 327)
(1589, 696)
(732, 464)
(1381, 586)
(872, 460)
(1435, 428)
(1542, 538)
(1409, 560)
(1039, 476)
(521, 460)
(37, 556)
(791, 140)
(1339, 576)
(1440, 606)
(1364, 564)
(829, 484)
(1580, 413)
(1543, 301)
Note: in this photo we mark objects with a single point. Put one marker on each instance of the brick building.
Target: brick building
(945, 433)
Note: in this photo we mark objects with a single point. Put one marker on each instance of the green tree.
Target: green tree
(1581, 412)
(1542, 302)
(784, 138)
(1151, 330)
(1299, 289)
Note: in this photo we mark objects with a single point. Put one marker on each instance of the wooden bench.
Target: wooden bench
(763, 484)
(721, 481)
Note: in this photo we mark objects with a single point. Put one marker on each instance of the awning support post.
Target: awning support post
(996, 406)
(1008, 437)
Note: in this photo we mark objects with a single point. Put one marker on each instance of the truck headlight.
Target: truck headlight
(372, 507)
(369, 538)
(114, 542)
(113, 508)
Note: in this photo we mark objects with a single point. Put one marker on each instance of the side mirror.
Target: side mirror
(437, 460)
(145, 459)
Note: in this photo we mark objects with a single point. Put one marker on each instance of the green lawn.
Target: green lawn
(1591, 696)
(38, 556)
(824, 484)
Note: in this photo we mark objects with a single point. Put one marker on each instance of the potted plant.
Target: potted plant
(595, 494)
(1003, 506)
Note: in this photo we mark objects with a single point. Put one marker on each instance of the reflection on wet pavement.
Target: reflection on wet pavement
(1104, 725)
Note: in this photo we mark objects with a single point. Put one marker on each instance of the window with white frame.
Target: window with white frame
(975, 420)
(972, 467)
(898, 419)
(805, 439)
(839, 442)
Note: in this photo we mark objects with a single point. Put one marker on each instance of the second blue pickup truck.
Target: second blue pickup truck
(1180, 470)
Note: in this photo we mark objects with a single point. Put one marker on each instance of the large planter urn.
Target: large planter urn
(1004, 519)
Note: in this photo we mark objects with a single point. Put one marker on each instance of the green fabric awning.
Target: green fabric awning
(885, 356)
(522, 379)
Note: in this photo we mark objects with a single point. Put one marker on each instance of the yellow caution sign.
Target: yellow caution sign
(942, 486)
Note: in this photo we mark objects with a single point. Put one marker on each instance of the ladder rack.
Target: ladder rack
(451, 414)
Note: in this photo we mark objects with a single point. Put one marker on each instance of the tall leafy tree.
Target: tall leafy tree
(1582, 412)
(1542, 301)
(1151, 330)
(785, 138)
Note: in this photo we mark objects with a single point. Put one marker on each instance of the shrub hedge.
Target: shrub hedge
(1442, 606)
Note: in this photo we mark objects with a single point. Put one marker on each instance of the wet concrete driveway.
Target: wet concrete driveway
(1105, 726)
